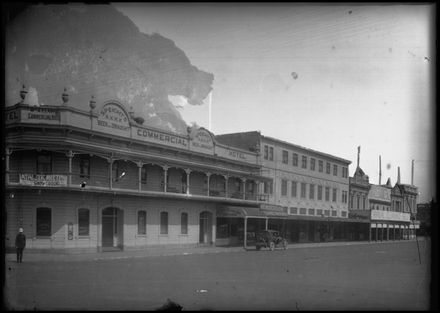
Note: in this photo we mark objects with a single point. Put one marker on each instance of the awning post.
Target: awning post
(245, 233)
(267, 222)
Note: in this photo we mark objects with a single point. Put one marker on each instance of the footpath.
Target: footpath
(32, 256)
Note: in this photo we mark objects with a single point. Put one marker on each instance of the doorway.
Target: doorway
(112, 228)
(205, 227)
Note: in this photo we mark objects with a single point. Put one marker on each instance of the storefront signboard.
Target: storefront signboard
(201, 141)
(154, 136)
(43, 180)
(389, 216)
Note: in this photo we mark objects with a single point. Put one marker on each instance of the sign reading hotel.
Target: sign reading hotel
(43, 180)
(235, 154)
(111, 117)
(201, 141)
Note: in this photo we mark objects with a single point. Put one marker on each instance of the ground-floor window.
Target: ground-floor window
(142, 222)
(163, 223)
(184, 223)
(44, 222)
(83, 222)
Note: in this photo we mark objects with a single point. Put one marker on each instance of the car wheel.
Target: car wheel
(272, 246)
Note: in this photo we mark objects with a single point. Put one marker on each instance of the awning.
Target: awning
(237, 211)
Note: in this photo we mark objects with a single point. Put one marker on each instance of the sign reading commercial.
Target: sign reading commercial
(112, 116)
(43, 180)
(149, 135)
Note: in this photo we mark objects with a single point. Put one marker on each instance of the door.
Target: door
(205, 227)
(111, 227)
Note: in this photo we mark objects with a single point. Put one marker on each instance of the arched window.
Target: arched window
(142, 222)
(44, 222)
(163, 223)
(83, 222)
(184, 223)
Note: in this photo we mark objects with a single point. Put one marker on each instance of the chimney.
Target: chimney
(412, 172)
(380, 170)
(398, 174)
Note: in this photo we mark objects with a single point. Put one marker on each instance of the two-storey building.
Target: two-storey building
(100, 179)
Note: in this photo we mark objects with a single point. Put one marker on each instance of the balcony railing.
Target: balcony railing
(102, 182)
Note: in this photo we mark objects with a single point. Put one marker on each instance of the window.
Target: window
(268, 187)
(344, 172)
(312, 164)
(304, 162)
(44, 222)
(285, 157)
(115, 170)
(344, 196)
(44, 163)
(143, 175)
(319, 192)
(319, 212)
(266, 152)
(358, 199)
(284, 187)
(311, 211)
(293, 189)
(84, 166)
(303, 190)
(163, 223)
(334, 195)
(184, 223)
(312, 191)
(142, 222)
(327, 212)
(334, 213)
(320, 166)
(327, 168)
(351, 201)
(295, 159)
(293, 210)
(335, 169)
(327, 193)
(302, 211)
(343, 213)
(271, 153)
(83, 222)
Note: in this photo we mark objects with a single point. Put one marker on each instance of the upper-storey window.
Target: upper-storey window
(312, 164)
(304, 162)
(144, 175)
(285, 157)
(115, 170)
(84, 166)
(44, 162)
(266, 152)
(335, 169)
(327, 168)
(271, 153)
(284, 187)
(295, 159)
(344, 172)
(320, 166)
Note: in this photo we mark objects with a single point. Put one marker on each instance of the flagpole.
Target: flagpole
(209, 110)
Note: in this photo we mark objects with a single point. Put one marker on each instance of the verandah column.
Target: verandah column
(70, 155)
(188, 172)
(208, 175)
(8, 152)
(110, 172)
(165, 176)
(244, 188)
(139, 165)
(226, 185)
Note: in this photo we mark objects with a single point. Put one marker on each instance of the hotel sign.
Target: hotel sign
(43, 180)
(112, 116)
(201, 141)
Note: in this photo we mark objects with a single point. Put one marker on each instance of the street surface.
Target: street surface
(377, 276)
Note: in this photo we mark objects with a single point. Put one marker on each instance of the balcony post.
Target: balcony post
(140, 165)
(165, 174)
(208, 175)
(188, 172)
(226, 185)
(8, 152)
(110, 172)
(70, 155)
(244, 188)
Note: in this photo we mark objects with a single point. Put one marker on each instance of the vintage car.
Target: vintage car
(270, 239)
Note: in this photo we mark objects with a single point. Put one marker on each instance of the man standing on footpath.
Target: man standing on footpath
(20, 243)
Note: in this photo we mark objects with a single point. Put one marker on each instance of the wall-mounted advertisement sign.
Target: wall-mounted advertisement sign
(379, 193)
(201, 141)
(43, 180)
(155, 136)
(112, 117)
(389, 216)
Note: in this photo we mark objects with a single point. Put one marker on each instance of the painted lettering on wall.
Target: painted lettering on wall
(152, 135)
(12, 116)
(42, 113)
(237, 155)
(201, 139)
(43, 180)
(112, 116)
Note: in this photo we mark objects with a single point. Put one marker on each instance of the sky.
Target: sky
(327, 77)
